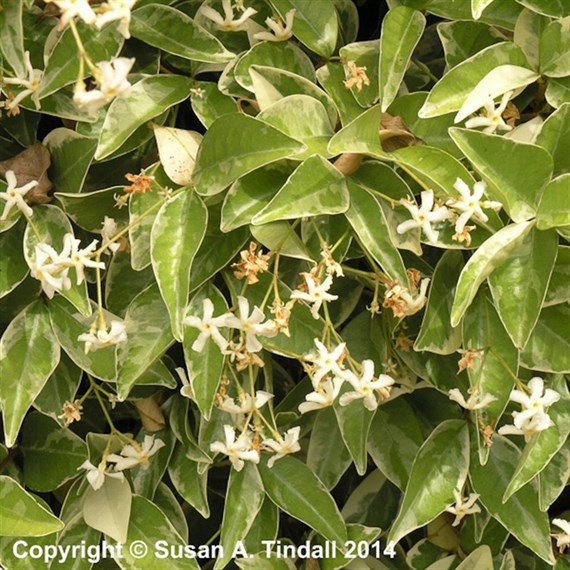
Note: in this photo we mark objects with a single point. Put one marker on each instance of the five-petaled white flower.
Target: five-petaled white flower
(238, 450)
(31, 85)
(111, 78)
(73, 8)
(133, 455)
(280, 32)
(463, 506)
(246, 403)
(50, 269)
(100, 338)
(285, 446)
(79, 258)
(475, 402)
(96, 475)
(491, 119)
(424, 216)
(112, 10)
(14, 196)
(227, 23)
(470, 204)
(316, 292)
(251, 325)
(208, 326)
(563, 538)
(365, 386)
(325, 362)
(323, 396)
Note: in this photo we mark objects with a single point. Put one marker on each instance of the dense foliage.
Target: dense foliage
(269, 273)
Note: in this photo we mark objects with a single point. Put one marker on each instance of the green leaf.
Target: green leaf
(559, 287)
(327, 455)
(544, 445)
(250, 194)
(314, 189)
(554, 8)
(552, 480)
(443, 460)
(293, 487)
(402, 29)
(271, 84)
(71, 157)
(315, 25)
(68, 324)
(491, 372)
(108, 509)
(555, 49)
(528, 29)
(22, 514)
(436, 333)
(174, 32)
(463, 39)
(545, 348)
(502, 14)
(555, 138)
(302, 118)
(148, 337)
(481, 557)
(30, 353)
(244, 497)
(552, 210)
(52, 454)
(61, 69)
(166, 501)
(520, 515)
(394, 440)
(145, 100)
(139, 234)
(13, 265)
(558, 91)
(483, 262)
(515, 172)
(177, 232)
(12, 31)
(282, 55)
(235, 145)
(51, 225)
(205, 366)
(280, 235)
(364, 54)
(211, 104)
(451, 91)
(531, 262)
(369, 223)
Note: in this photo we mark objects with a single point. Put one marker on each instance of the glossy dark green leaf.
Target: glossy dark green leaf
(13, 265)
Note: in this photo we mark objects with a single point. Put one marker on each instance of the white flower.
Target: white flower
(247, 404)
(108, 232)
(474, 402)
(132, 455)
(527, 423)
(31, 85)
(290, 444)
(470, 204)
(50, 269)
(539, 397)
(72, 8)
(239, 450)
(365, 386)
(424, 216)
(111, 78)
(96, 475)
(323, 396)
(227, 23)
(491, 118)
(326, 362)
(79, 258)
(463, 507)
(187, 389)
(280, 32)
(208, 326)
(116, 10)
(563, 538)
(14, 196)
(316, 293)
(102, 339)
(252, 325)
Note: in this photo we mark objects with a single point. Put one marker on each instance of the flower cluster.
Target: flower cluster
(51, 268)
(533, 417)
